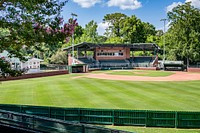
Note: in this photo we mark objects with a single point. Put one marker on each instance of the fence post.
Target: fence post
(176, 119)
(20, 108)
(79, 114)
(146, 119)
(64, 115)
(113, 117)
(49, 112)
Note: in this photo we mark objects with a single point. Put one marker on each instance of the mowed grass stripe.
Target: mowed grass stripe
(125, 93)
(181, 91)
(116, 94)
(95, 93)
(100, 94)
(166, 95)
(139, 92)
(66, 91)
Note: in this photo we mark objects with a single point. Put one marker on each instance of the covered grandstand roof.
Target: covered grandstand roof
(133, 47)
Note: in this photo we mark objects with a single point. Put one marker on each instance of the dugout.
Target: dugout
(174, 66)
(79, 68)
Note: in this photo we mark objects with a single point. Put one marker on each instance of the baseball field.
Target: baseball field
(156, 90)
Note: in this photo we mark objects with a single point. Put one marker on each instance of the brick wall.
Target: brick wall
(193, 69)
(126, 53)
(36, 75)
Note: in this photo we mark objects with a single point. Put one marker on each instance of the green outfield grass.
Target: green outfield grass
(149, 73)
(153, 130)
(69, 91)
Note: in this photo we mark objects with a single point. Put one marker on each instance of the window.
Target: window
(121, 54)
(110, 54)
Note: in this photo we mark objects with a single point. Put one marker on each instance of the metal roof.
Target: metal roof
(133, 47)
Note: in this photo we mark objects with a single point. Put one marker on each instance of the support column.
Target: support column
(69, 60)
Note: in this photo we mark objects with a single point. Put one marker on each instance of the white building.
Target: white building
(33, 64)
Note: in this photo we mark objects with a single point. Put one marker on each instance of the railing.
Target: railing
(173, 119)
(42, 124)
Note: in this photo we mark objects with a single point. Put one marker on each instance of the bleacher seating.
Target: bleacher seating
(114, 63)
(141, 61)
(88, 60)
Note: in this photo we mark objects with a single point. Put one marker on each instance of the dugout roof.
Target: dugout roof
(133, 47)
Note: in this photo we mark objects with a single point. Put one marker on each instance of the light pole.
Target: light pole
(164, 20)
(73, 15)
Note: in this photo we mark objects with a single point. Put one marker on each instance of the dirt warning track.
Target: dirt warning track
(177, 76)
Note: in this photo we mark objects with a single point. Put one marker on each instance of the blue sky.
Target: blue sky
(147, 10)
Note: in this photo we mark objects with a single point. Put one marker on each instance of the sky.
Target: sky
(151, 11)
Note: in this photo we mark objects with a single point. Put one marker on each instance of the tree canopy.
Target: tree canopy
(32, 23)
(184, 33)
(90, 32)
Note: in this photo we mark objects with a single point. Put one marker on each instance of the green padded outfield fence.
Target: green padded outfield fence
(172, 119)
(37, 124)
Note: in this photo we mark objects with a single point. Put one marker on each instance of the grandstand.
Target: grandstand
(108, 56)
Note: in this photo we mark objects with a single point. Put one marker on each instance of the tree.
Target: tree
(113, 20)
(133, 30)
(90, 32)
(33, 23)
(184, 33)
(77, 36)
(60, 57)
(114, 40)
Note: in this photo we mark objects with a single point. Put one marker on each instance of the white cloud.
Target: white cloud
(174, 4)
(87, 3)
(101, 28)
(125, 4)
(195, 3)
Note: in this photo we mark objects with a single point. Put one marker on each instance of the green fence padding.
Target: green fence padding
(148, 118)
(43, 124)
(188, 119)
(15, 108)
(36, 110)
(96, 116)
(160, 119)
(127, 117)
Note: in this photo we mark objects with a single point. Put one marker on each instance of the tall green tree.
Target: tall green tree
(184, 33)
(113, 21)
(90, 32)
(60, 57)
(32, 23)
(133, 30)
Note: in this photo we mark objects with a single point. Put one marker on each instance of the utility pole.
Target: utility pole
(73, 15)
(164, 20)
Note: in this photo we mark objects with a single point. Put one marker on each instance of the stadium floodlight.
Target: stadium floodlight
(164, 20)
(73, 15)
